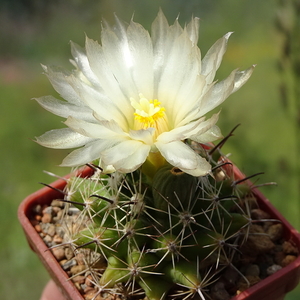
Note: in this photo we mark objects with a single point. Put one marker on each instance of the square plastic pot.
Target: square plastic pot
(274, 287)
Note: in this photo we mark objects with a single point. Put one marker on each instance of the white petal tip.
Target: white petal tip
(228, 34)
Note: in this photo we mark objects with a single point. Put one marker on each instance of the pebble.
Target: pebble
(273, 269)
(90, 295)
(287, 260)
(230, 278)
(88, 289)
(77, 269)
(59, 215)
(57, 239)
(275, 232)
(60, 231)
(79, 279)
(252, 270)
(218, 291)
(37, 209)
(55, 210)
(258, 214)
(279, 257)
(48, 240)
(38, 228)
(253, 279)
(288, 248)
(51, 230)
(46, 218)
(258, 242)
(243, 284)
(38, 218)
(59, 253)
(57, 203)
(70, 263)
(80, 257)
(63, 261)
(48, 210)
(69, 253)
(89, 281)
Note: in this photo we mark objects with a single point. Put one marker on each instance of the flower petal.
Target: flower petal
(65, 109)
(205, 127)
(101, 130)
(182, 156)
(192, 29)
(109, 83)
(163, 37)
(143, 135)
(200, 131)
(82, 62)
(166, 39)
(103, 107)
(179, 133)
(168, 42)
(213, 58)
(212, 134)
(218, 92)
(91, 151)
(64, 138)
(159, 29)
(141, 48)
(241, 77)
(116, 52)
(174, 85)
(190, 94)
(221, 90)
(60, 81)
(126, 156)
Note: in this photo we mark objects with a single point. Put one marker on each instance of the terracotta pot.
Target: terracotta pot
(273, 287)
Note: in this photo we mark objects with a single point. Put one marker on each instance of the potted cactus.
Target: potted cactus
(158, 211)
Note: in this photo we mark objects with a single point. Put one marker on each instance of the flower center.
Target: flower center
(147, 112)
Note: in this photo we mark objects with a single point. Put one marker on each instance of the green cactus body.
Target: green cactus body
(231, 223)
(184, 273)
(166, 246)
(160, 235)
(100, 239)
(139, 265)
(95, 199)
(171, 185)
(116, 271)
(155, 287)
(134, 233)
(202, 245)
(142, 259)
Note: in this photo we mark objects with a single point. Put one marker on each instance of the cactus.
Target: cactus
(164, 211)
(173, 233)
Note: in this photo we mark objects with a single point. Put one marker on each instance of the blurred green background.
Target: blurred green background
(37, 31)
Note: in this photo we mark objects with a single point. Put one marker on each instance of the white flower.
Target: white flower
(137, 97)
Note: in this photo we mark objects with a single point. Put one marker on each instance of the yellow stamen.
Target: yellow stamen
(147, 112)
